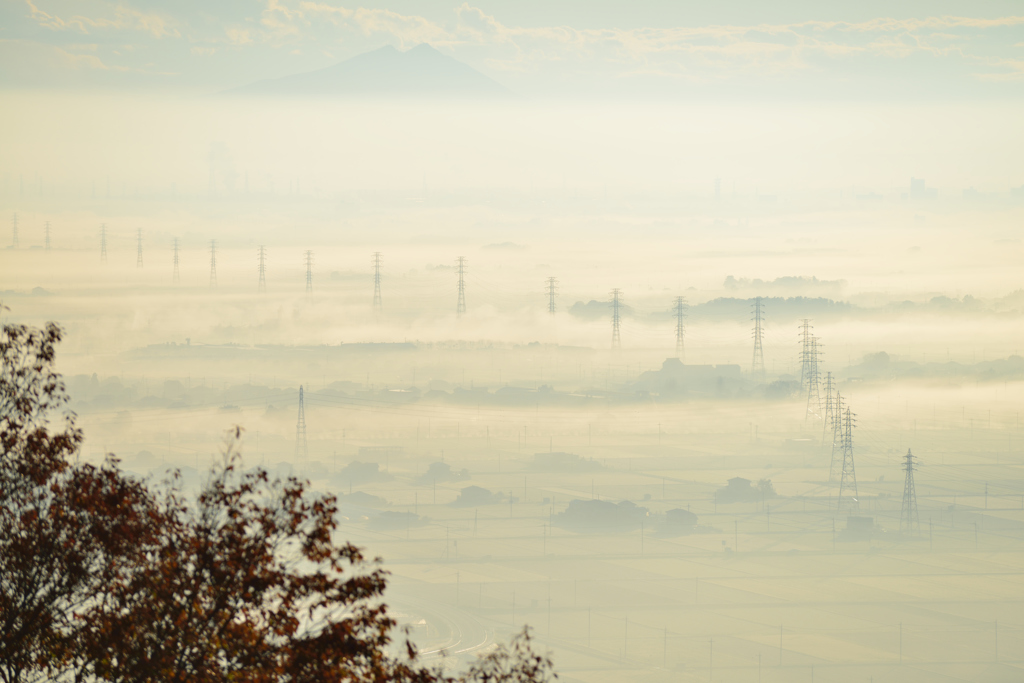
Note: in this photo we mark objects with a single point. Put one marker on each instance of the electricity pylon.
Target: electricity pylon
(309, 273)
(837, 434)
(261, 285)
(828, 414)
(47, 243)
(103, 243)
(301, 445)
(213, 263)
(813, 381)
(805, 347)
(138, 249)
(680, 311)
(552, 282)
(910, 525)
(616, 338)
(757, 364)
(177, 275)
(14, 231)
(460, 307)
(378, 302)
(848, 478)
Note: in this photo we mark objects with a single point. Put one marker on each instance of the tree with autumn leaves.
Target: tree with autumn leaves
(104, 578)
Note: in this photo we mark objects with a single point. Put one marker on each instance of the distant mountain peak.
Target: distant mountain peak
(421, 71)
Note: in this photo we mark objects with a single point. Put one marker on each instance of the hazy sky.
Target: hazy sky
(797, 49)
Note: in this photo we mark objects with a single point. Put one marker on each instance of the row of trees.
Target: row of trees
(104, 577)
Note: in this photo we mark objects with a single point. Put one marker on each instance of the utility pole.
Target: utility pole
(103, 243)
(849, 473)
(177, 275)
(15, 242)
(910, 524)
(261, 285)
(378, 304)
(616, 338)
(213, 263)
(138, 248)
(47, 243)
(680, 311)
(757, 364)
(552, 282)
(309, 272)
(460, 307)
(301, 445)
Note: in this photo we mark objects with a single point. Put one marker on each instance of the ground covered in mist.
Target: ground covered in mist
(655, 512)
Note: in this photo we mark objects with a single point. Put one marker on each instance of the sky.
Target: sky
(867, 51)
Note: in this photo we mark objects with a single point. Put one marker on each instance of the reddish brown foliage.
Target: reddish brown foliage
(100, 579)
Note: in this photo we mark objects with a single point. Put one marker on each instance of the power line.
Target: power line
(910, 525)
(261, 285)
(757, 363)
(378, 302)
(616, 338)
(460, 307)
(138, 250)
(552, 282)
(680, 311)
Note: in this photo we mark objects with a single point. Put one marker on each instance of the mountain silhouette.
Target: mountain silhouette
(386, 72)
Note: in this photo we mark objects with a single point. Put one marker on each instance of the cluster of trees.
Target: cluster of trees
(106, 578)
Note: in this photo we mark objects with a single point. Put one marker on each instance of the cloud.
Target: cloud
(982, 49)
(123, 18)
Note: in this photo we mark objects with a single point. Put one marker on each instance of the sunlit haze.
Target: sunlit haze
(577, 299)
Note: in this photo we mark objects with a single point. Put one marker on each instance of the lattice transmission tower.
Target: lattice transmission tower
(261, 256)
(848, 478)
(809, 370)
(910, 524)
(460, 306)
(378, 302)
(837, 437)
(15, 242)
(828, 413)
(552, 288)
(309, 272)
(47, 236)
(757, 370)
(616, 320)
(103, 243)
(213, 263)
(680, 310)
(176, 278)
(301, 445)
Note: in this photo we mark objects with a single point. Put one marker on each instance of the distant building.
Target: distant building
(676, 379)
(918, 190)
